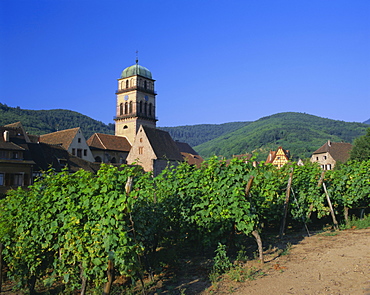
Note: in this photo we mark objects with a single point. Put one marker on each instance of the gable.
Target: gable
(63, 138)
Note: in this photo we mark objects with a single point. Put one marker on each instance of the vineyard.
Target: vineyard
(81, 231)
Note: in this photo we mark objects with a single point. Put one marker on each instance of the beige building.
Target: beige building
(154, 150)
(135, 102)
(71, 140)
(331, 153)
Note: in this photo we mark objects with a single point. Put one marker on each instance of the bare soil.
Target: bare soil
(326, 263)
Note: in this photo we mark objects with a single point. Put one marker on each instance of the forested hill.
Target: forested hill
(367, 122)
(47, 121)
(301, 133)
(198, 134)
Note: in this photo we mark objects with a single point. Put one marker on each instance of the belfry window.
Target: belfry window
(121, 109)
(141, 107)
(145, 84)
(130, 107)
(127, 85)
(126, 108)
(150, 109)
(145, 108)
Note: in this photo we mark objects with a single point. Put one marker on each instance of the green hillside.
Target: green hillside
(300, 133)
(47, 121)
(198, 134)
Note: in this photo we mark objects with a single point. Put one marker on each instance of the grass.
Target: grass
(355, 222)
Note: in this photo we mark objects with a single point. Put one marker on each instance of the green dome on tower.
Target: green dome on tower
(136, 69)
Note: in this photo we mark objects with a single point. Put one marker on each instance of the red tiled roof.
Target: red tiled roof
(108, 142)
(63, 138)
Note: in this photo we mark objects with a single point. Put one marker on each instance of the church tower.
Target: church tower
(135, 101)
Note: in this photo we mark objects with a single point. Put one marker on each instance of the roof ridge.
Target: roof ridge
(101, 141)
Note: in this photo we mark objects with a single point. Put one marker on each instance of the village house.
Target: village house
(23, 158)
(278, 158)
(109, 149)
(331, 153)
(71, 140)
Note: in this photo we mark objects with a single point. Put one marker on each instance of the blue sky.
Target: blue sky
(213, 61)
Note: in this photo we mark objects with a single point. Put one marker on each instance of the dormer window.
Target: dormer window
(79, 140)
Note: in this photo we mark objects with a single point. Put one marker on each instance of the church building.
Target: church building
(135, 119)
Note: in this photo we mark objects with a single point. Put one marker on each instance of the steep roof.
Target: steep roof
(18, 127)
(52, 156)
(338, 150)
(162, 143)
(63, 138)
(189, 154)
(272, 155)
(108, 142)
(185, 148)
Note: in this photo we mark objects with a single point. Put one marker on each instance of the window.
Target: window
(130, 107)
(328, 167)
(141, 107)
(324, 157)
(79, 153)
(145, 108)
(85, 153)
(74, 152)
(15, 155)
(127, 84)
(150, 109)
(141, 139)
(79, 140)
(121, 109)
(18, 179)
(141, 150)
(317, 158)
(1, 178)
(125, 127)
(145, 84)
(126, 108)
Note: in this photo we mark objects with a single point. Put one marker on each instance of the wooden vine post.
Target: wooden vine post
(255, 233)
(282, 228)
(331, 207)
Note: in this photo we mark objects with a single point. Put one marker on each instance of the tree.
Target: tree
(361, 148)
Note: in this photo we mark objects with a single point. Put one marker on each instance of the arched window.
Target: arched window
(141, 107)
(122, 85)
(126, 84)
(150, 109)
(121, 109)
(125, 127)
(98, 159)
(113, 160)
(130, 107)
(145, 108)
(145, 84)
(126, 108)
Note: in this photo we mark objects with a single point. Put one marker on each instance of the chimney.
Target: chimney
(6, 135)
(329, 143)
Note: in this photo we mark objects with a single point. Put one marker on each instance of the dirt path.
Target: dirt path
(321, 264)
